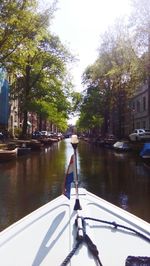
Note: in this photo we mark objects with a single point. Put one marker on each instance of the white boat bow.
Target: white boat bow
(48, 235)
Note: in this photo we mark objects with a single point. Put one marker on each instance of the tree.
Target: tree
(140, 25)
(41, 71)
(17, 23)
(20, 21)
(115, 74)
(49, 111)
(91, 109)
(36, 58)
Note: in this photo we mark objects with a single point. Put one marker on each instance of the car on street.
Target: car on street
(36, 135)
(44, 133)
(140, 134)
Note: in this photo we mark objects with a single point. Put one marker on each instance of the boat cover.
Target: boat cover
(145, 150)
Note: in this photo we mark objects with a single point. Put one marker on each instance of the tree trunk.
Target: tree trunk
(40, 123)
(24, 128)
(26, 100)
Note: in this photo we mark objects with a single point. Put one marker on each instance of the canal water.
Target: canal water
(31, 181)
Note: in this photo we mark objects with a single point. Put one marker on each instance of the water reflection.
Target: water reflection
(119, 178)
(123, 201)
(33, 180)
(29, 182)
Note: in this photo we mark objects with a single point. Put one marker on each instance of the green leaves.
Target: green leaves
(111, 80)
(17, 21)
(36, 59)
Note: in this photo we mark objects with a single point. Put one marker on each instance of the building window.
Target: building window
(144, 103)
(138, 106)
(133, 106)
(144, 124)
(137, 124)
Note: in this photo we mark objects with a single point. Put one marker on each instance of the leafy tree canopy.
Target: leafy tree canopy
(35, 58)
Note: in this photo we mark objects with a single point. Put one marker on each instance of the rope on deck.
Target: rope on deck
(82, 237)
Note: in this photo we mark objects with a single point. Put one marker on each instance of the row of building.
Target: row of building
(133, 114)
(140, 108)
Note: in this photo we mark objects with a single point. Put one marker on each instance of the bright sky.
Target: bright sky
(79, 24)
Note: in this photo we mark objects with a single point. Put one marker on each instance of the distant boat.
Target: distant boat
(145, 152)
(53, 140)
(35, 144)
(46, 141)
(7, 155)
(109, 141)
(122, 146)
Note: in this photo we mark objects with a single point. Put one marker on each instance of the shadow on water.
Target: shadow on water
(31, 181)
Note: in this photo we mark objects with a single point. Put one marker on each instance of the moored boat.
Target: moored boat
(76, 227)
(145, 152)
(46, 141)
(7, 155)
(122, 146)
(54, 140)
(109, 141)
(35, 144)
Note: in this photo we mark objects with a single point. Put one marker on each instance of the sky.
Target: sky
(79, 24)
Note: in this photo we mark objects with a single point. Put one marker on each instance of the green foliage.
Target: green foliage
(17, 24)
(91, 109)
(111, 81)
(36, 59)
(49, 111)
(76, 101)
(140, 26)
(140, 23)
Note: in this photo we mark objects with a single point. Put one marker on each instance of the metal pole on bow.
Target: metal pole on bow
(74, 142)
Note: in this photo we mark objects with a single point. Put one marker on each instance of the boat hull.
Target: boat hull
(7, 155)
(122, 146)
(145, 151)
(46, 236)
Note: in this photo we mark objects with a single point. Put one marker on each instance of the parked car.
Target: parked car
(140, 134)
(36, 135)
(50, 134)
(44, 133)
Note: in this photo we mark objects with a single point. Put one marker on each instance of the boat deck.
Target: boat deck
(46, 236)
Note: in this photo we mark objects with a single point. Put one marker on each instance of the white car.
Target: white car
(140, 134)
(44, 133)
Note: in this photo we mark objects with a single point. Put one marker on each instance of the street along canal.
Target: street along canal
(31, 181)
